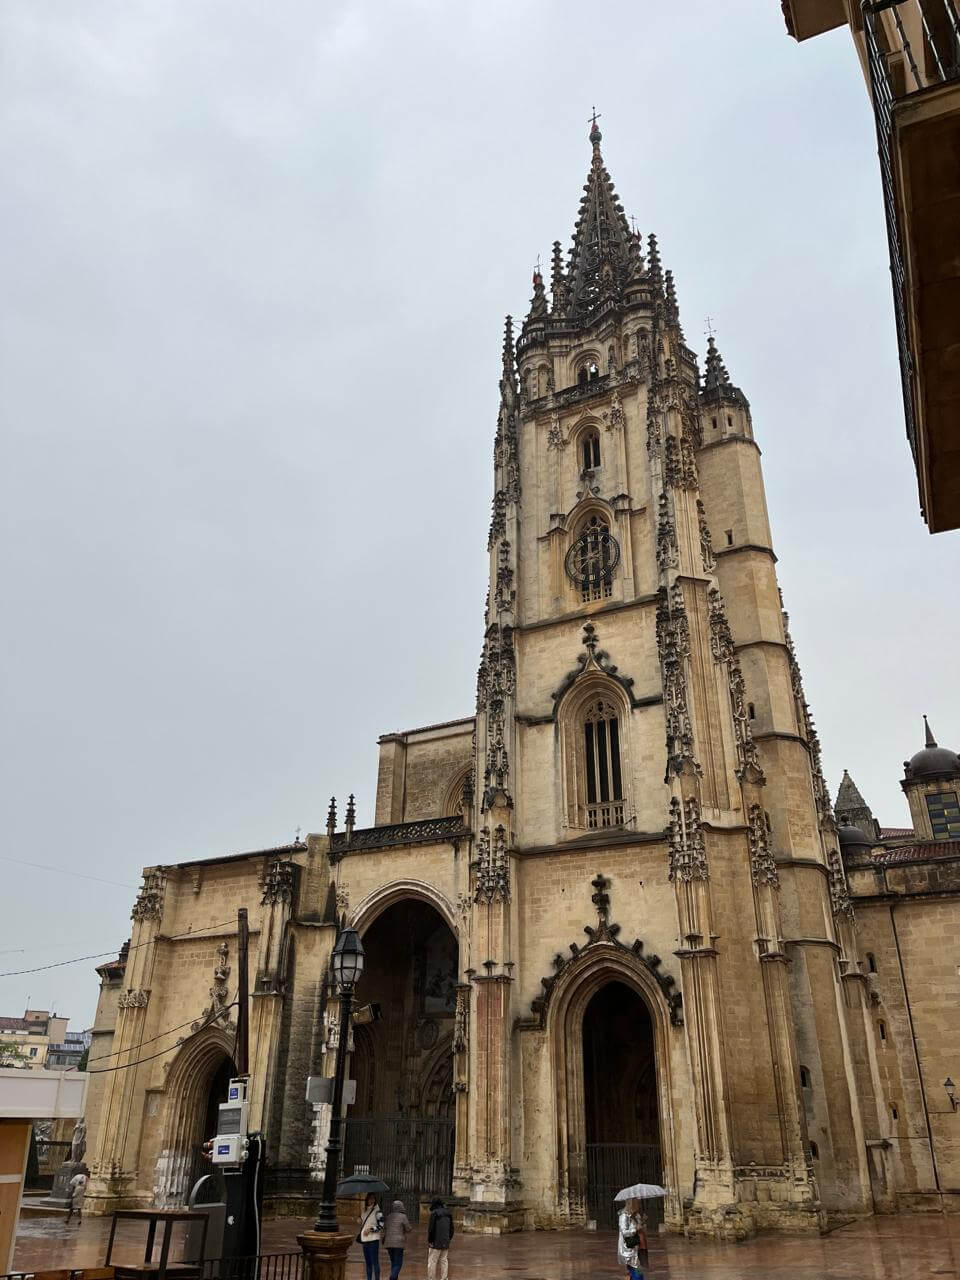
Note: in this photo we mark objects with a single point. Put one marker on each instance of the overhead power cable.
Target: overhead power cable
(159, 1036)
(62, 871)
(15, 973)
(124, 1066)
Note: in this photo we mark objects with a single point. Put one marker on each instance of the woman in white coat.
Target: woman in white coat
(632, 1240)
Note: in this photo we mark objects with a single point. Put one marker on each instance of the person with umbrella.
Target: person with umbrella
(632, 1237)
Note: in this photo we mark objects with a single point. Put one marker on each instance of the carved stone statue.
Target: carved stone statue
(78, 1144)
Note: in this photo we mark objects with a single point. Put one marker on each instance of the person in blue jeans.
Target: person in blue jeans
(371, 1231)
(395, 1236)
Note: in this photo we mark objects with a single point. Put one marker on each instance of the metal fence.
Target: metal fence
(412, 1154)
(263, 1266)
(614, 1165)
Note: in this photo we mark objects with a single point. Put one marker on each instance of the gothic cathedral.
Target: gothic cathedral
(606, 919)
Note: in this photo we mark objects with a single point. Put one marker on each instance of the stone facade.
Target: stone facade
(634, 821)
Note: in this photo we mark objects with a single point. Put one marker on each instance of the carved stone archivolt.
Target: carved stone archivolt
(492, 866)
(594, 659)
(278, 882)
(706, 541)
(763, 869)
(134, 1000)
(604, 931)
(673, 646)
(688, 854)
(724, 652)
(840, 902)
(496, 681)
(219, 994)
(668, 552)
(149, 903)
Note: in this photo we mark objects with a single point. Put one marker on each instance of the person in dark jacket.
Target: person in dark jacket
(439, 1235)
(395, 1236)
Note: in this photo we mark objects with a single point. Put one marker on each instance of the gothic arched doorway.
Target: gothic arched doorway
(401, 1126)
(196, 1086)
(621, 1111)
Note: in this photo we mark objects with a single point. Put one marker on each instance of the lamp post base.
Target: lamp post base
(325, 1254)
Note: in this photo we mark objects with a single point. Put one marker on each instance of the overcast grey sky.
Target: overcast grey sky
(256, 262)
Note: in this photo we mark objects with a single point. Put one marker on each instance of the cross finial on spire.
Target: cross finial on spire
(709, 329)
(929, 739)
(595, 134)
(296, 835)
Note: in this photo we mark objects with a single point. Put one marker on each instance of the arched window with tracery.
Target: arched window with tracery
(592, 559)
(590, 450)
(602, 772)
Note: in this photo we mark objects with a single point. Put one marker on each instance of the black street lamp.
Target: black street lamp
(347, 966)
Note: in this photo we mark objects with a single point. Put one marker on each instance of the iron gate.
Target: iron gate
(614, 1165)
(412, 1154)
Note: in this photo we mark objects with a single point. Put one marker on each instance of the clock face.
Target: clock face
(592, 558)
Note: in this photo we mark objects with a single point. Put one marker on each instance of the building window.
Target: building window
(882, 1028)
(804, 1078)
(871, 962)
(729, 422)
(590, 450)
(814, 1151)
(751, 711)
(713, 423)
(729, 537)
(601, 758)
(33, 1053)
(894, 1112)
(944, 815)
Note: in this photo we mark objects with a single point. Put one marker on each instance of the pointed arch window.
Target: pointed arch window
(591, 560)
(603, 789)
(590, 450)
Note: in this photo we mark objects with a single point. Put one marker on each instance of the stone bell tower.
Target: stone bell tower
(639, 704)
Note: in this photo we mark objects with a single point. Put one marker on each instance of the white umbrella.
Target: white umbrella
(640, 1191)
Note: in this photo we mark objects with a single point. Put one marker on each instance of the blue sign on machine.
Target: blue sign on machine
(223, 1148)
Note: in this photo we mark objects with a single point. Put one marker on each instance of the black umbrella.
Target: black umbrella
(360, 1184)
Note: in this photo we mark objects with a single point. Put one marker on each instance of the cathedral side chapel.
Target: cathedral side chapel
(606, 917)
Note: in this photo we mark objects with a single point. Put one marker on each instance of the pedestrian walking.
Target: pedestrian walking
(371, 1230)
(439, 1235)
(395, 1236)
(632, 1240)
(77, 1187)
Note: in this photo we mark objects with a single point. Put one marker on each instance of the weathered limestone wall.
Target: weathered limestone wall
(417, 770)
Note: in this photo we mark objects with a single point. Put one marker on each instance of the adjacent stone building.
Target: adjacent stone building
(905, 885)
(605, 917)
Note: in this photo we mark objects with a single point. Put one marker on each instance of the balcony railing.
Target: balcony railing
(899, 69)
(607, 814)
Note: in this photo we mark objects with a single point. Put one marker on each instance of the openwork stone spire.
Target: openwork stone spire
(717, 387)
(602, 259)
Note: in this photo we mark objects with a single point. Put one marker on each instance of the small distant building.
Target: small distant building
(27, 1042)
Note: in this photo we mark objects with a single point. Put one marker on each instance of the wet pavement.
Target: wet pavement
(906, 1247)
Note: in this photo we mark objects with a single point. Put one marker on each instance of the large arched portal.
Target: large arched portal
(401, 1126)
(196, 1085)
(621, 1112)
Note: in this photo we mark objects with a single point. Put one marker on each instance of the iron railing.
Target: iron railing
(938, 60)
(264, 1266)
(412, 1154)
(290, 1181)
(611, 1166)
